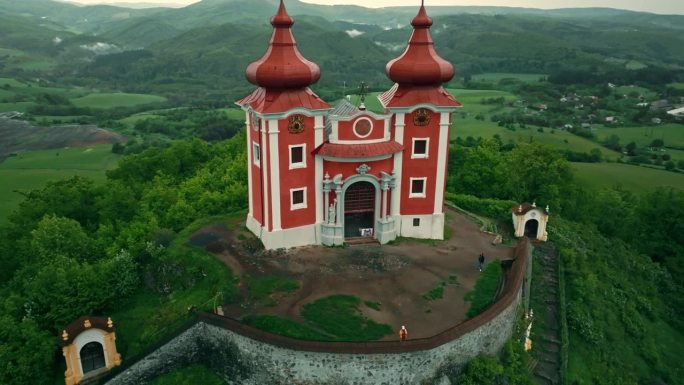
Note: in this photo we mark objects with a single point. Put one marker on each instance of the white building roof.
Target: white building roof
(676, 111)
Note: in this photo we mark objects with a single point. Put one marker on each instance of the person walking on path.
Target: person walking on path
(480, 261)
(403, 333)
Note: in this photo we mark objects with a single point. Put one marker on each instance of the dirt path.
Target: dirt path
(547, 371)
(396, 276)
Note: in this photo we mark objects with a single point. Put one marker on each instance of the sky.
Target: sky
(655, 6)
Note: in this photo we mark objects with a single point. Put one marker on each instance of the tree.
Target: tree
(58, 236)
(534, 172)
(657, 143)
(613, 142)
(26, 352)
(631, 148)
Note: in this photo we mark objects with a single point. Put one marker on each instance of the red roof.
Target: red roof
(362, 150)
(275, 101)
(282, 66)
(523, 208)
(407, 96)
(420, 64)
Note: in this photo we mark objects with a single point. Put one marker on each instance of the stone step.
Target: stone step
(550, 338)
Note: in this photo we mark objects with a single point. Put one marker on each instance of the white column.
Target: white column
(321, 207)
(264, 174)
(384, 201)
(442, 153)
(275, 172)
(338, 206)
(250, 159)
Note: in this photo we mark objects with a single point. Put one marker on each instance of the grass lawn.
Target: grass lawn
(113, 100)
(195, 374)
(436, 292)
(286, 327)
(261, 288)
(635, 178)
(679, 86)
(485, 289)
(339, 315)
(31, 170)
(496, 77)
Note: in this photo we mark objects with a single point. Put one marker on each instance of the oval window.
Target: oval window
(363, 127)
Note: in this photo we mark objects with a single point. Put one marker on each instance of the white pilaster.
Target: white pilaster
(275, 172)
(398, 161)
(264, 174)
(442, 152)
(249, 165)
(321, 208)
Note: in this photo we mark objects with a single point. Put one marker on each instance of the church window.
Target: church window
(256, 153)
(417, 187)
(416, 222)
(297, 159)
(420, 148)
(298, 198)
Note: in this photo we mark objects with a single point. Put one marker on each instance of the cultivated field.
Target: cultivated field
(113, 100)
(635, 178)
(496, 77)
(672, 134)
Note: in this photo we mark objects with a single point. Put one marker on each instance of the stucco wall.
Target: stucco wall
(243, 355)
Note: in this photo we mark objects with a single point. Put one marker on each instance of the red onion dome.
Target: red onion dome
(420, 65)
(282, 66)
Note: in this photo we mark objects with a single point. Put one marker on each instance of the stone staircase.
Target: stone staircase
(548, 340)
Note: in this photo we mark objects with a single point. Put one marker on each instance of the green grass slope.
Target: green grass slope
(31, 170)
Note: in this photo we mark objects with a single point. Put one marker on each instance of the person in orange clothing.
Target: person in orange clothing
(403, 333)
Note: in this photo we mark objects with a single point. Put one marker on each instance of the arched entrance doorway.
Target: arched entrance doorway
(531, 228)
(92, 357)
(359, 210)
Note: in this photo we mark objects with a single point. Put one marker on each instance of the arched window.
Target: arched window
(92, 357)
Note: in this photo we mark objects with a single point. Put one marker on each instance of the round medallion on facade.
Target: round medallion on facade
(421, 117)
(296, 124)
(363, 127)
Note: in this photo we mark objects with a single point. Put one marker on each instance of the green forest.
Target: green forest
(119, 139)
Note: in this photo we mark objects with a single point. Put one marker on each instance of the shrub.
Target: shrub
(493, 208)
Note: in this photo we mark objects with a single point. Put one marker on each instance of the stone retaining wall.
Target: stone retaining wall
(243, 355)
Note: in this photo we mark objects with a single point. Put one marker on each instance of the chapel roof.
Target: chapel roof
(69, 333)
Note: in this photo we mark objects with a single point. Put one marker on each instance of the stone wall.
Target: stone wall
(242, 355)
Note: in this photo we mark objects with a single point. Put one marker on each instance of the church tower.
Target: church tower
(285, 123)
(319, 175)
(421, 112)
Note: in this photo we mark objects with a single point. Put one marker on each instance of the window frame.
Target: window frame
(426, 155)
(298, 206)
(302, 164)
(256, 154)
(414, 194)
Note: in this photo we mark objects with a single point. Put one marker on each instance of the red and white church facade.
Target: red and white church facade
(321, 175)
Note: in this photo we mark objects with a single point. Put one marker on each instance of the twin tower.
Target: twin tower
(324, 175)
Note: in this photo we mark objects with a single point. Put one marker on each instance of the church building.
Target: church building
(324, 175)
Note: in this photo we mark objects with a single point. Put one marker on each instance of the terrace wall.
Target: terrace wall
(244, 355)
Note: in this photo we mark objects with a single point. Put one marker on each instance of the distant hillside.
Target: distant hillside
(139, 32)
(215, 58)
